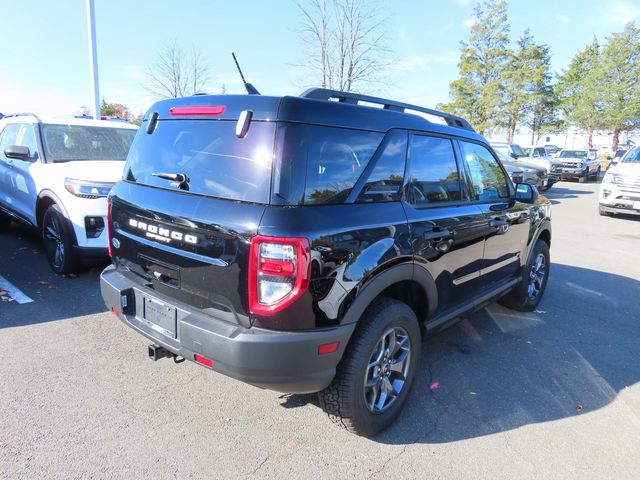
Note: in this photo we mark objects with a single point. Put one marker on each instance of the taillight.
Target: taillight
(109, 227)
(278, 272)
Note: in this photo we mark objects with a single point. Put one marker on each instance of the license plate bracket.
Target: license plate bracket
(160, 316)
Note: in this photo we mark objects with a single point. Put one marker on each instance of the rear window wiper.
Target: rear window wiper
(179, 180)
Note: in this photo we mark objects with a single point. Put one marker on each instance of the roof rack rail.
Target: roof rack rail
(354, 98)
(23, 114)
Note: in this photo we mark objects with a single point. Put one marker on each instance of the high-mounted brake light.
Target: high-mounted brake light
(197, 110)
(278, 272)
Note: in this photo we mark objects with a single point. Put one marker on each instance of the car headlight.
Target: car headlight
(610, 178)
(87, 189)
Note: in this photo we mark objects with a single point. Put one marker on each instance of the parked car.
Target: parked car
(579, 164)
(551, 149)
(533, 175)
(55, 175)
(226, 200)
(615, 158)
(620, 189)
(517, 155)
(536, 152)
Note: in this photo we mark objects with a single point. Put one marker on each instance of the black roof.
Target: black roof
(317, 106)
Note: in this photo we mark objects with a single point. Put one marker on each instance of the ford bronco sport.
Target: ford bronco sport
(307, 244)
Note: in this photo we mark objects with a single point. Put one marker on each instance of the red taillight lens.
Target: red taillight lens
(109, 227)
(205, 110)
(278, 272)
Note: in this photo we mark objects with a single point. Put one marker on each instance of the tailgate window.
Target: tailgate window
(217, 163)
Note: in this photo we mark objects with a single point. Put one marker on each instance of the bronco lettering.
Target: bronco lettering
(162, 234)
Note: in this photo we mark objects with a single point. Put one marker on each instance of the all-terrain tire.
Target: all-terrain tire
(520, 298)
(344, 399)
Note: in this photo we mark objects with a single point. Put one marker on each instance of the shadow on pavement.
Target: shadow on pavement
(23, 263)
(499, 370)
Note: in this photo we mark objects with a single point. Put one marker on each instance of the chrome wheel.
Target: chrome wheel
(536, 276)
(53, 241)
(387, 369)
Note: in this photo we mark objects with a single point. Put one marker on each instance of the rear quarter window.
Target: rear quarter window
(320, 165)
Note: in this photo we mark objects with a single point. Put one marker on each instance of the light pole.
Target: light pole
(93, 57)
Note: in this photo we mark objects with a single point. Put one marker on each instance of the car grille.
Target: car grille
(630, 183)
(571, 165)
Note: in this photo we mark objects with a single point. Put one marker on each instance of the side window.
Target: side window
(488, 178)
(433, 172)
(384, 183)
(326, 161)
(9, 136)
(27, 138)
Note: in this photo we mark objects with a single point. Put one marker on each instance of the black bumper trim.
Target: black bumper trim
(285, 361)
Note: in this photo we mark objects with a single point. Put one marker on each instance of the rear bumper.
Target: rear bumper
(285, 361)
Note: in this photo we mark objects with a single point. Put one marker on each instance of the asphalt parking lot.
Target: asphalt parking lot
(550, 394)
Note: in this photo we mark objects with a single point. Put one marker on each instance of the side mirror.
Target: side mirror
(513, 155)
(609, 157)
(526, 193)
(19, 152)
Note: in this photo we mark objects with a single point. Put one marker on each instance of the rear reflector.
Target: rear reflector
(328, 348)
(197, 110)
(207, 362)
(116, 312)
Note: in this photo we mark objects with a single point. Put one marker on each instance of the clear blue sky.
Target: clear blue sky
(44, 54)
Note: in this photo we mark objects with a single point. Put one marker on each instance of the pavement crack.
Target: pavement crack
(255, 470)
(393, 457)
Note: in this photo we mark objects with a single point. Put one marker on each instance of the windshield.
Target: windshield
(215, 161)
(632, 156)
(64, 143)
(573, 154)
(518, 150)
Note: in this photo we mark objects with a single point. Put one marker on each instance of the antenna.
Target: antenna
(251, 90)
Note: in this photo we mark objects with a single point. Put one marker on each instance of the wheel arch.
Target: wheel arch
(410, 284)
(46, 198)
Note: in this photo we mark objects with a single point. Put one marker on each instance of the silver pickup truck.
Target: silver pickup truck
(581, 164)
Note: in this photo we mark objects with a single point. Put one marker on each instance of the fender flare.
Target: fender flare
(385, 279)
(545, 226)
(46, 193)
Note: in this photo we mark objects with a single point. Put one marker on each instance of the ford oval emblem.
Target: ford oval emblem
(115, 242)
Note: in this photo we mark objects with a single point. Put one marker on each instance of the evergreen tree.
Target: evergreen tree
(526, 80)
(618, 77)
(477, 94)
(580, 91)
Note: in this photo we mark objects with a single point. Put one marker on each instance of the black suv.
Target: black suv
(307, 244)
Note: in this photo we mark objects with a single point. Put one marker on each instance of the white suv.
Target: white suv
(55, 175)
(620, 189)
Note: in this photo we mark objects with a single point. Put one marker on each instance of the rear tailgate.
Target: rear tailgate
(192, 249)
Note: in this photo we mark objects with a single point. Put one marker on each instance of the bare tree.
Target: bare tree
(345, 42)
(176, 74)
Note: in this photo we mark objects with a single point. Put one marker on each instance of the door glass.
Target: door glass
(9, 136)
(433, 172)
(488, 178)
(27, 138)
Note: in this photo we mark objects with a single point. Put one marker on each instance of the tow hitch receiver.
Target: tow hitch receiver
(156, 352)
